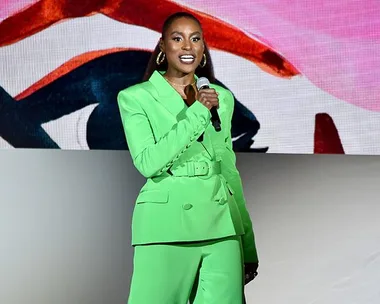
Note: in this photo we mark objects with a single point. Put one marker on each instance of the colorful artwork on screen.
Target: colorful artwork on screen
(303, 73)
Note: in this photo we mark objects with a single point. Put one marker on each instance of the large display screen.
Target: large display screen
(304, 73)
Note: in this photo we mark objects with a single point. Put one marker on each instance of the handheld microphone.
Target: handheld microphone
(204, 83)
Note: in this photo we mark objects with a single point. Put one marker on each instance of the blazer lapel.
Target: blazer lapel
(166, 95)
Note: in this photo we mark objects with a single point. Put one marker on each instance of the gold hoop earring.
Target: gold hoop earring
(160, 58)
(202, 65)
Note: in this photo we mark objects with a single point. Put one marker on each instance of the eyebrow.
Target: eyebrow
(176, 32)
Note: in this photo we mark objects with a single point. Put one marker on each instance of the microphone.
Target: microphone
(204, 83)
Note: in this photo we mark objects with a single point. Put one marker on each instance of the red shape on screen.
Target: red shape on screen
(326, 136)
(147, 13)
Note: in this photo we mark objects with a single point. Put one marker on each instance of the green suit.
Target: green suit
(193, 190)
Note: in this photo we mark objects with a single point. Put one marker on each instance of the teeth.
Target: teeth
(187, 57)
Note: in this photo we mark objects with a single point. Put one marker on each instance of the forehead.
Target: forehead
(183, 24)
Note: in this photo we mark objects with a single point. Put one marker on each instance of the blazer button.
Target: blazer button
(187, 206)
(222, 202)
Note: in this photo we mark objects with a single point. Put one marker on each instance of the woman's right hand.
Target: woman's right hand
(209, 98)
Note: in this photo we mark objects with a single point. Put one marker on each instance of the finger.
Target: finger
(207, 96)
(213, 97)
(208, 90)
(213, 102)
(210, 96)
(205, 93)
(210, 104)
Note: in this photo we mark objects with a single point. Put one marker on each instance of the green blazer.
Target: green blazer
(193, 190)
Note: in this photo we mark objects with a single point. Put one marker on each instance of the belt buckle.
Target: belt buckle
(190, 168)
(202, 168)
(207, 166)
(198, 168)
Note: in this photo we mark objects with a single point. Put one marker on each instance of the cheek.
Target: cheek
(171, 48)
(200, 49)
(171, 52)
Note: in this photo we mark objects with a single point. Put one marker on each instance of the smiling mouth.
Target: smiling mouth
(187, 59)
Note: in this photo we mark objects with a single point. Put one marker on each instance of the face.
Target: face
(183, 46)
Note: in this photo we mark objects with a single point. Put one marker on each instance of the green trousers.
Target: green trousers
(202, 273)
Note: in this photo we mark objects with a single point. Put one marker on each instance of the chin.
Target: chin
(187, 69)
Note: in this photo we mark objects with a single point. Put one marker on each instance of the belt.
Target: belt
(197, 168)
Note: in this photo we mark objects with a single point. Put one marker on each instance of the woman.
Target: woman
(191, 230)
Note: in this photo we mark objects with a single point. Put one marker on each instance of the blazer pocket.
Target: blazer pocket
(152, 196)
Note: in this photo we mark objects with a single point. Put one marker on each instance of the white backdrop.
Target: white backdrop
(65, 237)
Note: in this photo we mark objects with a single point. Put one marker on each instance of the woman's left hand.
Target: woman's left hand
(250, 272)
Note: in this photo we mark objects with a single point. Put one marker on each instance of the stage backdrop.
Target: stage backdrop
(304, 73)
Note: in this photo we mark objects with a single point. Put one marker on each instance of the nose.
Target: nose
(186, 44)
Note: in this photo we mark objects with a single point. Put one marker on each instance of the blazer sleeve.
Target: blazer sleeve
(152, 158)
(232, 175)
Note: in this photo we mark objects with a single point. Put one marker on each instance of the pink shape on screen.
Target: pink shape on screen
(10, 7)
(335, 44)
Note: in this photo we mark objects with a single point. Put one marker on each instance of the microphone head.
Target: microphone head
(202, 83)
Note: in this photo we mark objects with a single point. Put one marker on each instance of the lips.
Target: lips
(187, 59)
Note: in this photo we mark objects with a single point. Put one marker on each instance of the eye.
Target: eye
(177, 39)
(75, 126)
(196, 39)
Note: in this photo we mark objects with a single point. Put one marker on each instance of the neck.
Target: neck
(179, 79)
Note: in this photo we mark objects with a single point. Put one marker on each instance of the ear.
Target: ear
(162, 45)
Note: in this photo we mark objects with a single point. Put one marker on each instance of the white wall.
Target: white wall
(65, 227)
